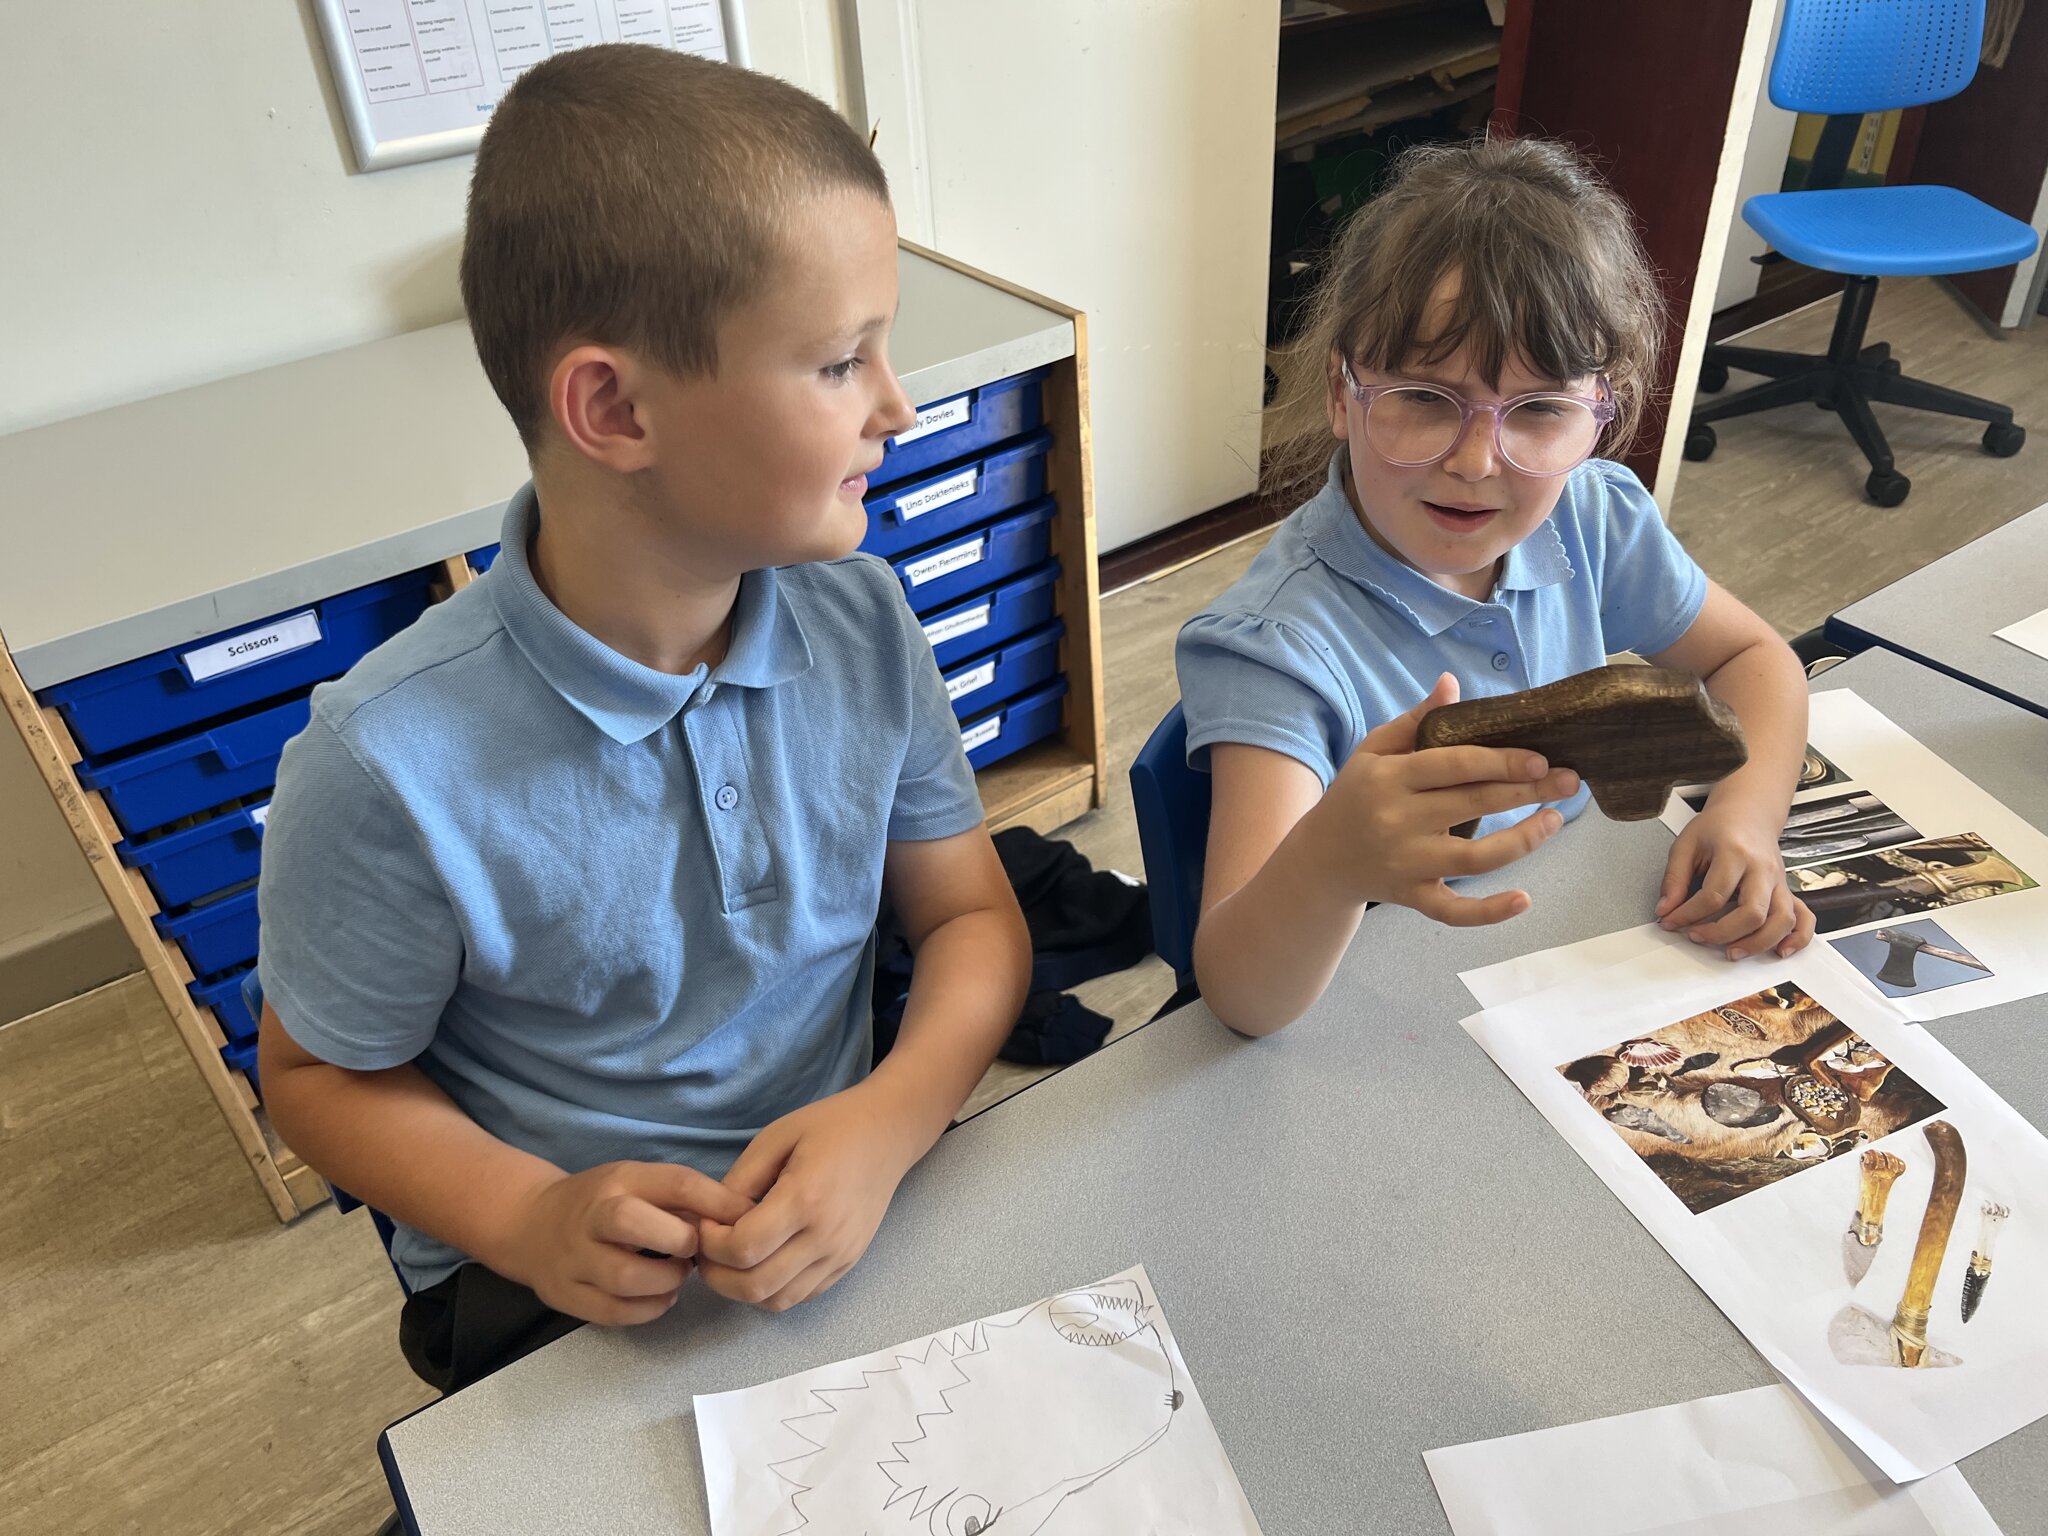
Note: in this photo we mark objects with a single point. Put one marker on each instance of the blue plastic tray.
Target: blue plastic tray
(218, 936)
(196, 773)
(995, 677)
(992, 618)
(952, 568)
(480, 559)
(240, 1055)
(224, 997)
(1015, 726)
(155, 695)
(977, 421)
(925, 510)
(186, 866)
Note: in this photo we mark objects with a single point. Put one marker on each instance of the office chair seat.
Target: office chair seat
(1912, 231)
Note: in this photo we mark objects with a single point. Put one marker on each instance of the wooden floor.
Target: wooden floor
(171, 1360)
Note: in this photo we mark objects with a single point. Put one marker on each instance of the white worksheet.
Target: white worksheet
(2029, 634)
(419, 78)
(1754, 1463)
(1734, 1109)
(1959, 925)
(1073, 1414)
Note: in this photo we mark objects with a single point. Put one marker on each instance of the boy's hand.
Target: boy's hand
(1743, 901)
(824, 1176)
(1390, 809)
(581, 1241)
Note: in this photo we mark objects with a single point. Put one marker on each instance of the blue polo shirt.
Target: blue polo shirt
(612, 912)
(1327, 635)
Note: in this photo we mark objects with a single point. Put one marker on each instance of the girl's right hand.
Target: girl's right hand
(1385, 825)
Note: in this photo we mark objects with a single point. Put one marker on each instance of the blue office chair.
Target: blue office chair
(252, 996)
(1856, 56)
(1172, 803)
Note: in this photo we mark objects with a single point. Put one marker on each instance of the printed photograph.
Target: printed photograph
(1741, 1096)
(1910, 957)
(1836, 826)
(1816, 772)
(1905, 881)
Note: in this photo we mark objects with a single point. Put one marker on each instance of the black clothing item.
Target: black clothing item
(465, 1327)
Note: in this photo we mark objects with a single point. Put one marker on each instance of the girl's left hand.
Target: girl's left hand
(1743, 902)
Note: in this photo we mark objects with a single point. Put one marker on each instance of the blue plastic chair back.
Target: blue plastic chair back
(1172, 804)
(1843, 56)
(344, 1202)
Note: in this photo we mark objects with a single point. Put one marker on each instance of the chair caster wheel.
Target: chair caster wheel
(2002, 439)
(1886, 487)
(1713, 377)
(1699, 442)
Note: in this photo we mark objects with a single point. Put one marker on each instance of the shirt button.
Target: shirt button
(1500, 661)
(727, 797)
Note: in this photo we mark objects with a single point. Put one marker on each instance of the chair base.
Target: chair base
(1846, 381)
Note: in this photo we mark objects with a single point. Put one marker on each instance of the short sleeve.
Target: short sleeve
(1256, 682)
(935, 791)
(360, 946)
(1651, 590)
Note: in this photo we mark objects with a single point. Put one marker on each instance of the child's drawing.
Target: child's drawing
(993, 1427)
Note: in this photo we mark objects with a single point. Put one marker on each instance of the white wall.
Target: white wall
(180, 204)
(1118, 158)
(1763, 170)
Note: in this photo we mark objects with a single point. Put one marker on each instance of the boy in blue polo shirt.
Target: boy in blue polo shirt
(569, 890)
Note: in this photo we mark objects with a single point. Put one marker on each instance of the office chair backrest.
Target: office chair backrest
(1172, 805)
(1845, 56)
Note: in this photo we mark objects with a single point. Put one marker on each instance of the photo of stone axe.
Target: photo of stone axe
(1906, 948)
(1859, 1336)
(1880, 1171)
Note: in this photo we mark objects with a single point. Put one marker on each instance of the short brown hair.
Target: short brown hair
(632, 196)
(1551, 275)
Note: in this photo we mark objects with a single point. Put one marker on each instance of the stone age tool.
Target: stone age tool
(1978, 1275)
(1859, 1336)
(1633, 733)
(1906, 948)
(1866, 1228)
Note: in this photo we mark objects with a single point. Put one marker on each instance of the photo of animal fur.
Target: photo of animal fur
(1904, 882)
(1738, 1097)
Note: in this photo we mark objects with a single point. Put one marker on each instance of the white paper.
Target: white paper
(940, 493)
(1755, 1463)
(1903, 973)
(260, 814)
(973, 680)
(981, 733)
(1771, 1257)
(936, 418)
(253, 646)
(2029, 634)
(992, 1425)
(954, 625)
(946, 561)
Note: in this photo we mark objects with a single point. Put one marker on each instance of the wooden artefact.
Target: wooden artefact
(1633, 733)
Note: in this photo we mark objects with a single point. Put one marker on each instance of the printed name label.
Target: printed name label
(260, 814)
(252, 646)
(940, 493)
(973, 680)
(956, 625)
(946, 561)
(981, 735)
(936, 418)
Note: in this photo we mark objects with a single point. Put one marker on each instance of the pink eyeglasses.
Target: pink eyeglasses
(1543, 433)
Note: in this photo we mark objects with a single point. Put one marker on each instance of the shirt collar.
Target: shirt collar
(622, 698)
(1341, 542)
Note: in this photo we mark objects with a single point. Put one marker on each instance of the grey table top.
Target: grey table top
(152, 524)
(1367, 1242)
(1947, 614)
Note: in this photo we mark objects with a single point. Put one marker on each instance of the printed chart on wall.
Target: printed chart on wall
(1928, 887)
(1861, 1205)
(1073, 1414)
(418, 79)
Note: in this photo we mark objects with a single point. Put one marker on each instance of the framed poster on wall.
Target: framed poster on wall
(418, 78)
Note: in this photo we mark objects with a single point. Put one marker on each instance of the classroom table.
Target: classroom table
(1947, 614)
(1366, 1241)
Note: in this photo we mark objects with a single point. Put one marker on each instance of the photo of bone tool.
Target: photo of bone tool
(1880, 1170)
(1978, 1275)
(1859, 1336)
